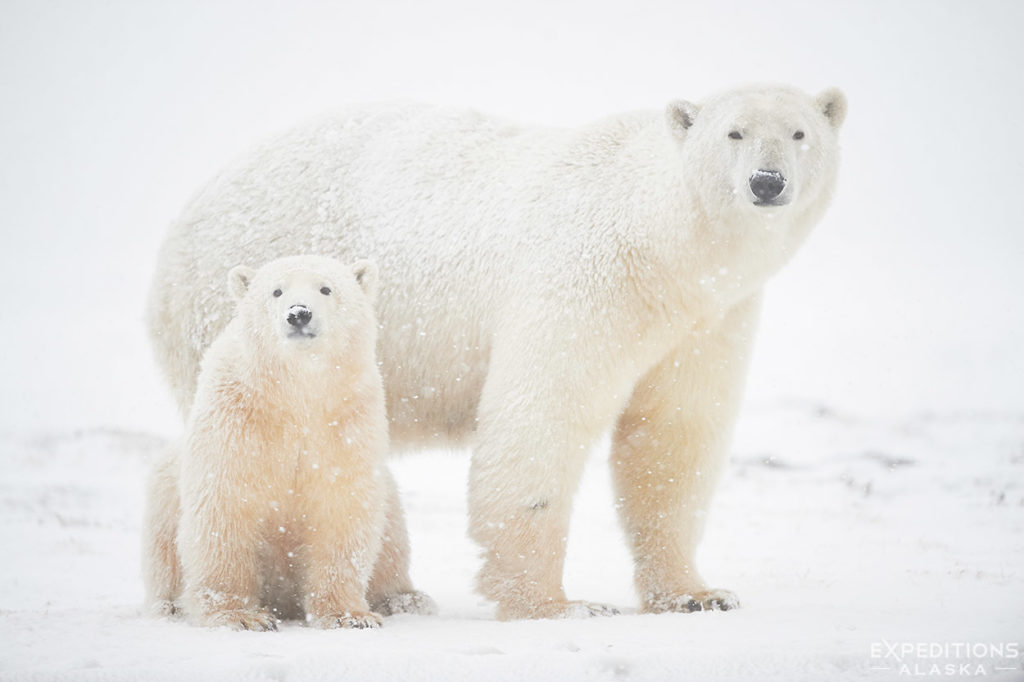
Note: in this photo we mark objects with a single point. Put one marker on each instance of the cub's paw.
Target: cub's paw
(704, 600)
(355, 620)
(415, 602)
(257, 620)
(556, 609)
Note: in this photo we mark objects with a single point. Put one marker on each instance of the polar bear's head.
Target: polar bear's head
(759, 149)
(307, 305)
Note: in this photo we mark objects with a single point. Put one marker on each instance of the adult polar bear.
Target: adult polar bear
(538, 287)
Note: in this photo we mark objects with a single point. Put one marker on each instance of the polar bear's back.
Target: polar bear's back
(368, 182)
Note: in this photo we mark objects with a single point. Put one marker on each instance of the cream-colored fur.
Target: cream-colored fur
(540, 287)
(277, 503)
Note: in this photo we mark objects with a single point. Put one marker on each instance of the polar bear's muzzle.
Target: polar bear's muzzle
(299, 318)
(767, 186)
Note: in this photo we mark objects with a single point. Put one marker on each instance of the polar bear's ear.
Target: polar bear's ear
(239, 279)
(832, 103)
(366, 275)
(680, 115)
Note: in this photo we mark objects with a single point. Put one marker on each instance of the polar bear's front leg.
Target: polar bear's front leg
(669, 448)
(525, 469)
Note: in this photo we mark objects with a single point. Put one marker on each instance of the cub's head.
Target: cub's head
(307, 305)
(761, 149)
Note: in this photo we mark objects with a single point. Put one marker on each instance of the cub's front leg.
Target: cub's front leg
(344, 524)
(221, 531)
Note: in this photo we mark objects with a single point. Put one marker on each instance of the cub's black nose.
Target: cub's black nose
(299, 316)
(767, 184)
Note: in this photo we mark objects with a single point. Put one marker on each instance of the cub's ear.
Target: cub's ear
(239, 280)
(366, 275)
(680, 115)
(832, 103)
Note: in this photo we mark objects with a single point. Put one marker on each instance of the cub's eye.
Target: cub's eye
(325, 291)
(798, 135)
(735, 135)
(277, 293)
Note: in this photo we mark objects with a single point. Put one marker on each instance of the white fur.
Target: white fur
(277, 503)
(538, 287)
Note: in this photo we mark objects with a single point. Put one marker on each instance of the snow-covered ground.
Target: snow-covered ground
(840, 535)
(875, 500)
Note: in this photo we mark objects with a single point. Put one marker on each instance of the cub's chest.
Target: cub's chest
(296, 445)
(307, 466)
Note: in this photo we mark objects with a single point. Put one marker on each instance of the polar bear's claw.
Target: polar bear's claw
(705, 600)
(350, 620)
(243, 619)
(591, 609)
(558, 609)
(164, 608)
(720, 600)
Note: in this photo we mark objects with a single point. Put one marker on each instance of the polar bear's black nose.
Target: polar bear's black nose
(299, 316)
(767, 184)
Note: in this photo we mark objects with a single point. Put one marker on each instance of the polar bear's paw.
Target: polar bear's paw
(256, 620)
(586, 609)
(555, 610)
(349, 620)
(705, 600)
(163, 608)
(414, 601)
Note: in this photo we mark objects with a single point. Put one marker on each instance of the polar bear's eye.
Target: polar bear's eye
(326, 291)
(735, 135)
(798, 135)
(277, 293)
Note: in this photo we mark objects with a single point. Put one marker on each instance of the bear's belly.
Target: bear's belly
(432, 402)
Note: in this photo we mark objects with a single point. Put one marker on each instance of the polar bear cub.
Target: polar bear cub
(277, 502)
